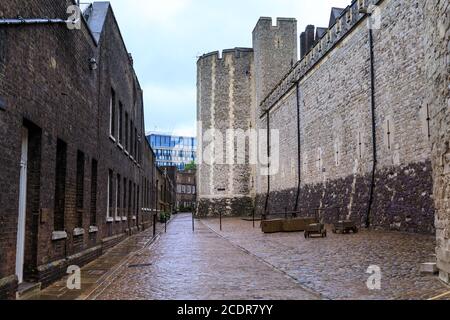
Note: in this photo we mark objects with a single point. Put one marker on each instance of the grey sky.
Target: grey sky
(166, 37)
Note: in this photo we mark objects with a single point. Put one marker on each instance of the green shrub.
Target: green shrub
(163, 216)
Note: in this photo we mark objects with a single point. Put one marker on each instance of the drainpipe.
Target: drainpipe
(37, 21)
(268, 164)
(298, 148)
(372, 101)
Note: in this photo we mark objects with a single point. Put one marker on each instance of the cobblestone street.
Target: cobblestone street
(240, 262)
(336, 266)
(183, 265)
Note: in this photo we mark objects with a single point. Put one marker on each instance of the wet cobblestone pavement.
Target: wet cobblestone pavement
(201, 265)
(241, 262)
(97, 274)
(336, 266)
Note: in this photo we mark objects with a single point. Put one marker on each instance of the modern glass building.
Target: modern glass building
(171, 150)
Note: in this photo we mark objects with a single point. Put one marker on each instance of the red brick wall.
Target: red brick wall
(46, 80)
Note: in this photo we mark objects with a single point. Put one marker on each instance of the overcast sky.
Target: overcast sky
(166, 37)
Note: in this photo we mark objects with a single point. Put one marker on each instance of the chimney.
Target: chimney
(307, 39)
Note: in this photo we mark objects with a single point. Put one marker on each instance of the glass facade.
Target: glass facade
(173, 150)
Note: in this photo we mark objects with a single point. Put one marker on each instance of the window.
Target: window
(124, 198)
(112, 114)
(337, 152)
(120, 123)
(60, 185)
(117, 208)
(338, 26)
(93, 215)
(137, 203)
(130, 191)
(361, 4)
(126, 131)
(79, 197)
(135, 144)
(349, 15)
(193, 190)
(110, 195)
(131, 140)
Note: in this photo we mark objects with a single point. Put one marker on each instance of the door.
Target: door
(20, 251)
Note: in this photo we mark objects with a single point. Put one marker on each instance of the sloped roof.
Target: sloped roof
(320, 32)
(335, 13)
(95, 16)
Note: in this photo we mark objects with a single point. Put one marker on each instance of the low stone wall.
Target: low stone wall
(242, 206)
(8, 288)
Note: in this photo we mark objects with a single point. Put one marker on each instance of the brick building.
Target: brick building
(359, 123)
(166, 184)
(77, 173)
(186, 190)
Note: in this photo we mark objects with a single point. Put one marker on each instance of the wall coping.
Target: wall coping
(322, 48)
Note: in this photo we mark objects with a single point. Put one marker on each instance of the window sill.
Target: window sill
(78, 232)
(93, 229)
(124, 218)
(134, 218)
(59, 235)
(117, 219)
(109, 220)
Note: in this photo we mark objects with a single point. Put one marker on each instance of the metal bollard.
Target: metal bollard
(193, 223)
(220, 215)
(254, 209)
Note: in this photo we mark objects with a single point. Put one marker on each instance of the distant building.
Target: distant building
(176, 151)
(167, 188)
(186, 190)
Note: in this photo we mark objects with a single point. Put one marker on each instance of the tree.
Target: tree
(190, 166)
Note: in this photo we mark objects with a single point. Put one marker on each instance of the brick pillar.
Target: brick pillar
(438, 70)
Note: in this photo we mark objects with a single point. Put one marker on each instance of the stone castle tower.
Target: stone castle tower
(229, 90)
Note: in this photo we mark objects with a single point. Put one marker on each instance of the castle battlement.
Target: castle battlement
(218, 56)
(346, 22)
(267, 23)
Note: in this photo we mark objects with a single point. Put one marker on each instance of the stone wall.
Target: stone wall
(336, 142)
(225, 102)
(348, 102)
(438, 69)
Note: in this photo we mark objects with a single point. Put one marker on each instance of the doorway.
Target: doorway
(20, 248)
(29, 203)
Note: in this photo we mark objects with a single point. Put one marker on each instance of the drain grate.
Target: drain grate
(142, 265)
